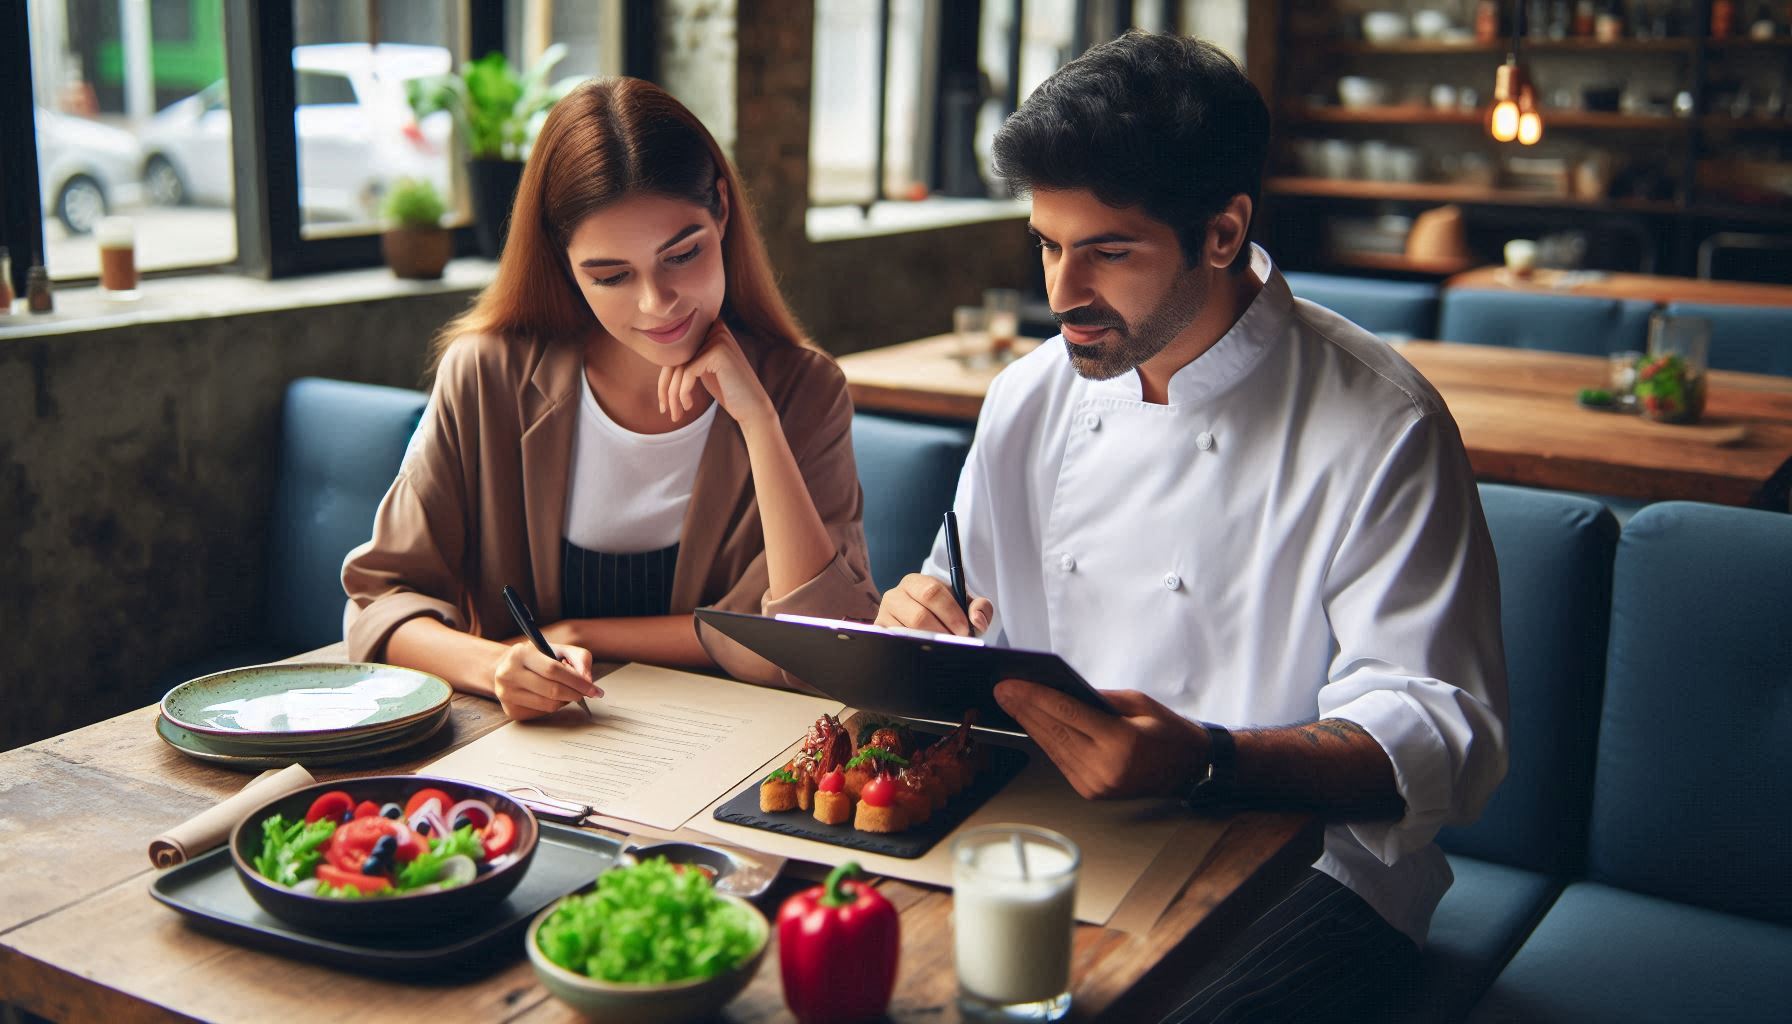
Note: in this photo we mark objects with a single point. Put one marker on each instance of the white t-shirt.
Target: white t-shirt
(1295, 535)
(629, 491)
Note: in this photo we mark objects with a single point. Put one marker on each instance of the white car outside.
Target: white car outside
(85, 169)
(355, 131)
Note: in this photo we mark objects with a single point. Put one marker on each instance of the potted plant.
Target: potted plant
(496, 112)
(415, 244)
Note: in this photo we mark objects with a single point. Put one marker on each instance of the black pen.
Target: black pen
(525, 621)
(955, 562)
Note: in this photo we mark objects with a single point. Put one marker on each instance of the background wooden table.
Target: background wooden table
(1649, 287)
(81, 939)
(1516, 408)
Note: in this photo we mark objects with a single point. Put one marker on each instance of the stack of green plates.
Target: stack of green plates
(270, 716)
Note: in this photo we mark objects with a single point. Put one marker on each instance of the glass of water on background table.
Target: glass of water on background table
(1013, 917)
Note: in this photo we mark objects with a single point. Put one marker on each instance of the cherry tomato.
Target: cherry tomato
(833, 782)
(350, 846)
(339, 878)
(879, 792)
(367, 809)
(423, 796)
(334, 805)
(500, 836)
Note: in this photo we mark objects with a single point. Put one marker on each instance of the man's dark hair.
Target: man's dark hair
(1162, 122)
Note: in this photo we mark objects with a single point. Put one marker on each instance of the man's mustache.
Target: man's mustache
(1089, 316)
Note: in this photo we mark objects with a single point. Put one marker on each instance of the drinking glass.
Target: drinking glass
(1670, 381)
(1013, 912)
(970, 326)
(1001, 307)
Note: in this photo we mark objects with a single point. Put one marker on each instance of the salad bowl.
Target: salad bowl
(430, 875)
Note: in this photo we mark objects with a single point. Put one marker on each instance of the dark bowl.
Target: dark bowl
(386, 914)
(732, 875)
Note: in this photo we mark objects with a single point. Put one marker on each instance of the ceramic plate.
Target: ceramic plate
(304, 700)
(206, 749)
(254, 747)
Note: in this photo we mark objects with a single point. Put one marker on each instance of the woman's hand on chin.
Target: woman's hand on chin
(721, 368)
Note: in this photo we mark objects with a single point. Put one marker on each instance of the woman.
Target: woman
(573, 446)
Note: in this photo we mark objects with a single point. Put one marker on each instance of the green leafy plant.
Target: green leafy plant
(496, 110)
(413, 203)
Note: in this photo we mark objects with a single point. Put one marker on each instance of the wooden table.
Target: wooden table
(1650, 287)
(81, 939)
(1515, 407)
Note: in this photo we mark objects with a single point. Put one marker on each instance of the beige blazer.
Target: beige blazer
(481, 502)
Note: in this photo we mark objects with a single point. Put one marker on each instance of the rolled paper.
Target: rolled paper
(211, 827)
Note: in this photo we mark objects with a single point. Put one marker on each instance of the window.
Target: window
(131, 120)
(125, 107)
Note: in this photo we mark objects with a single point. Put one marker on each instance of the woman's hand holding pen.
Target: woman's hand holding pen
(926, 602)
(722, 369)
(529, 684)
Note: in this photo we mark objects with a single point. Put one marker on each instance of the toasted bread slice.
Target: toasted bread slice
(878, 819)
(776, 795)
(832, 808)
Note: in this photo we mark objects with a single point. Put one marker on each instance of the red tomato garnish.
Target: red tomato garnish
(339, 878)
(500, 836)
(423, 796)
(833, 782)
(367, 809)
(334, 805)
(879, 792)
(349, 847)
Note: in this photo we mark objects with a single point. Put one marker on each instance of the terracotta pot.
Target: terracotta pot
(417, 253)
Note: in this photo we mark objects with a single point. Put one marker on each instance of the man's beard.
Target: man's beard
(1127, 345)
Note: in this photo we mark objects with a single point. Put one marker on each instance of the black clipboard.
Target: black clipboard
(931, 677)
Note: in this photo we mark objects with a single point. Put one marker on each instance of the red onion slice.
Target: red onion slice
(429, 814)
(482, 819)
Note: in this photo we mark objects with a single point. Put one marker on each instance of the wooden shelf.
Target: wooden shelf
(1433, 47)
(1433, 192)
(1750, 125)
(1414, 114)
(1745, 43)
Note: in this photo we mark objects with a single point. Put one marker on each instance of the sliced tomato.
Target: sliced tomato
(367, 809)
(879, 792)
(351, 844)
(423, 796)
(500, 836)
(339, 878)
(334, 805)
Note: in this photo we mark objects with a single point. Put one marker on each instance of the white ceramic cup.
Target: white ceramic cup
(1521, 256)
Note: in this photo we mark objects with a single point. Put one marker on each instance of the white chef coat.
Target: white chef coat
(1295, 535)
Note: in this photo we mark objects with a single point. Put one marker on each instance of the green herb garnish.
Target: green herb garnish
(877, 753)
(649, 923)
(290, 851)
(781, 775)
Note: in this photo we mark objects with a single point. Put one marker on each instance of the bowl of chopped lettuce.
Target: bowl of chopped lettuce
(652, 942)
(387, 854)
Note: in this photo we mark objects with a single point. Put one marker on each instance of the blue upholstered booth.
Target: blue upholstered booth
(1558, 323)
(1555, 563)
(1754, 339)
(909, 471)
(1686, 910)
(1394, 308)
(340, 447)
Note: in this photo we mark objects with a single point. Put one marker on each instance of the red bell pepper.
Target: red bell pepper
(837, 949)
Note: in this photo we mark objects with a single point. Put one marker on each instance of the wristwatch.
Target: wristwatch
(1213, 783)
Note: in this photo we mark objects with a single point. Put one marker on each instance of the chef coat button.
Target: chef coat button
(1204, 440)
(1067, 563)
(1172, 581)
(1092, 421)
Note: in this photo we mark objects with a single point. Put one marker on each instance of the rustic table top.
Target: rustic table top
(81, 939)
(1516, 409)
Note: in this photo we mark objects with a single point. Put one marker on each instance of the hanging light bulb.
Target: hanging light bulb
(1530, 120)
(1503, 122)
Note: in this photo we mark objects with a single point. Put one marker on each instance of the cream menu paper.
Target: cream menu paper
(658, 747)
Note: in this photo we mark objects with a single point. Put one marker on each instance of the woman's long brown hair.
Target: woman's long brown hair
(608, 139)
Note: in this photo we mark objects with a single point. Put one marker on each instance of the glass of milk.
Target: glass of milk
(1013, 900)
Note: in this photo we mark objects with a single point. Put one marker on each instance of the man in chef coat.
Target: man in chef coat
(1236, 512)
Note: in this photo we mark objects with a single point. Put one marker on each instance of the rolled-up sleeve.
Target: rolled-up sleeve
(412, 566)
(843, 588)
(1413, 599)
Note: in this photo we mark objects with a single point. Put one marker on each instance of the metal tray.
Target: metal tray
(207, 891)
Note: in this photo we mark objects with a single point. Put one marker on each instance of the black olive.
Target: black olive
(423, 828)
(392, 811)
(463, 821)
(483, 866)
(348, 815)
(373, 865)
(385, 846)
